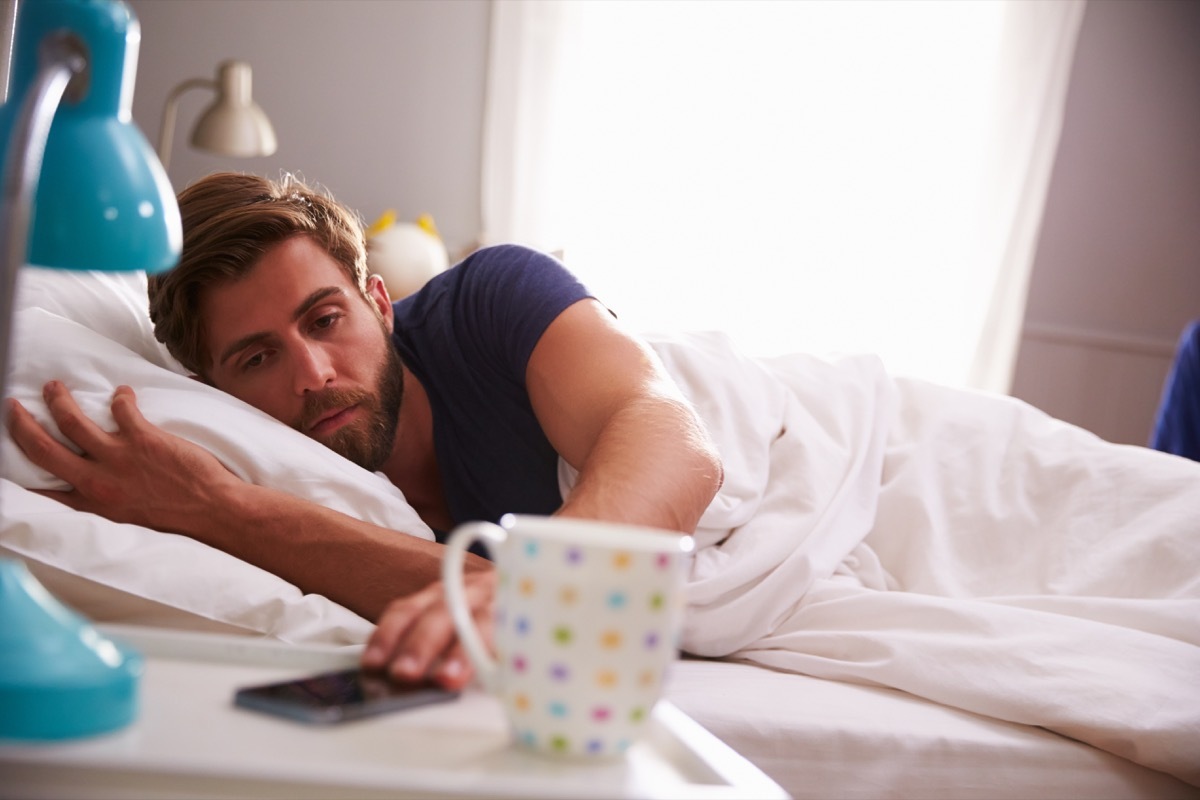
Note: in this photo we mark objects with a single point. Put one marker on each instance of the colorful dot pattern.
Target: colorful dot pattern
(586, 635)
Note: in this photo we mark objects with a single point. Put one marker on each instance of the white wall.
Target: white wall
(1117, 271)
(381, 101)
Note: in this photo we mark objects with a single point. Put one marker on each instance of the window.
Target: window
(807, 176)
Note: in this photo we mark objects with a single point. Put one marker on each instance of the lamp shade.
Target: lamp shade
(59, 678)
(103, 201)
(234, 125)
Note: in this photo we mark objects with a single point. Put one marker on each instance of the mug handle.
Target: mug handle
(452, 583)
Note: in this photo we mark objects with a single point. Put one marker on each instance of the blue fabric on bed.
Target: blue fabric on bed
(1177, 427)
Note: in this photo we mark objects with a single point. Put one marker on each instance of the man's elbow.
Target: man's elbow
(707, 474)
(713, 471)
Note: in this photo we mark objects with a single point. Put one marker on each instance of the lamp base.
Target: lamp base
(59, 677)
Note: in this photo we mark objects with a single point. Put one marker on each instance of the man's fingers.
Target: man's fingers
(39, 446)
(416, 638)
(412, 635)
(125, 410)
(392, 625)
(71, 421)
(421, 647)
(454, 670)
(402, 640)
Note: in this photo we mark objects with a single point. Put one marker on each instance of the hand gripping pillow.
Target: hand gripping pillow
(95, 337)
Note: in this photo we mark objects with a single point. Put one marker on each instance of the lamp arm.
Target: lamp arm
(61, 57)
(166, 132)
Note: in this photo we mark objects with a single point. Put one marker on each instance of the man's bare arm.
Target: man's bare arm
(143, 475)
(611, 410)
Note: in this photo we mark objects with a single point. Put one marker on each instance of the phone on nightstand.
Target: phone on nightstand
(339, 696)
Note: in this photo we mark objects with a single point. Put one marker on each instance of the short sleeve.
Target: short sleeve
(467, 336)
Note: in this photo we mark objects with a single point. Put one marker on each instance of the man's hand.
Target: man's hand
(140, 474)
(415, 637)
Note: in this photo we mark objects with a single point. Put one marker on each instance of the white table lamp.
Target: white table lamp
(233, 125)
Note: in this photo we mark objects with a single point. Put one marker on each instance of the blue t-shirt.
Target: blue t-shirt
(467, 336)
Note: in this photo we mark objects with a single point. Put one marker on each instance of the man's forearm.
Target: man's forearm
(355, 563)
(142, 475)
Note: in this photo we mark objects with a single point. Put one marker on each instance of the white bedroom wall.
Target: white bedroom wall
(1117, 270)
(381, 101)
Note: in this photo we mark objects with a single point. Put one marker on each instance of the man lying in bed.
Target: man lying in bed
(464, 395)
(959, 546)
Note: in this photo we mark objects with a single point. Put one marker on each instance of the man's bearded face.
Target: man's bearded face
(369, 441)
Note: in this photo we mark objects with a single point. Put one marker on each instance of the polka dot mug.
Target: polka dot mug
(587, 621)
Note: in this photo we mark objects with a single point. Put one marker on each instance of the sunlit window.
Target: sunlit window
(812, 176)
(800, 175)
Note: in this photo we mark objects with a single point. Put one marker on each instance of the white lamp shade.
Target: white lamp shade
(234, 125)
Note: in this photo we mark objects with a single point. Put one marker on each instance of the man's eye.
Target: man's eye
(326, 321)
(253, 361)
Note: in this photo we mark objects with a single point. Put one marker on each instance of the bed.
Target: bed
(976, 680)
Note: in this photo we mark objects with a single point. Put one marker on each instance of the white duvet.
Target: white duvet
(960, 546)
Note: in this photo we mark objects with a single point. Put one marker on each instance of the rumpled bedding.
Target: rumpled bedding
(960, 546)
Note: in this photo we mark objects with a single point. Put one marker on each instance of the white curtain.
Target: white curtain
(807, 176)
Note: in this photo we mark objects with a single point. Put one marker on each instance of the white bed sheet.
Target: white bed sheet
(959, 546)
(829, 739)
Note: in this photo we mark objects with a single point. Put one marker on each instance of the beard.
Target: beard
(369, 442)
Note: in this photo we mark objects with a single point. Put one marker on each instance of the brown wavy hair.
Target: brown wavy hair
(230, 220)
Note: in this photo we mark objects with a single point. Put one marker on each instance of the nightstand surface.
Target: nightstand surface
(190, 741)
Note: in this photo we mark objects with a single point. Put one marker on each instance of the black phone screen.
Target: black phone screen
(338, 696)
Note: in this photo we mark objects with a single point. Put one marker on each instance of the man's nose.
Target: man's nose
(313, 368)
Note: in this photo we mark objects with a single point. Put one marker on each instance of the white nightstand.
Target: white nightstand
(190, 741)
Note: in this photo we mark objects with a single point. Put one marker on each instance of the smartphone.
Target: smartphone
(339, 696)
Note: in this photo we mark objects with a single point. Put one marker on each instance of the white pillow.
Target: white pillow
(133, 575)
(113, 304)
(125, 573)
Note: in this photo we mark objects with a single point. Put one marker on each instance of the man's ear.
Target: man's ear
(377, 293)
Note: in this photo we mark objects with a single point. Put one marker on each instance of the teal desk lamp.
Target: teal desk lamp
(82, 189)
